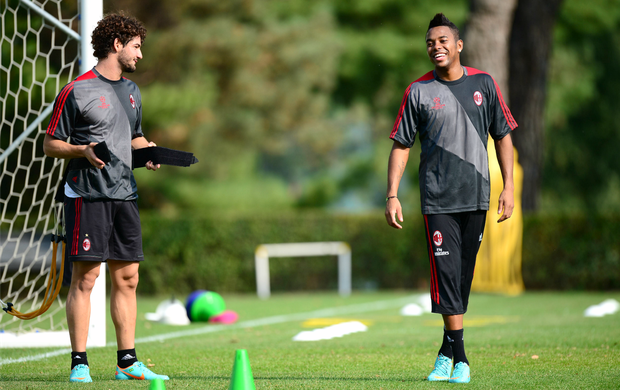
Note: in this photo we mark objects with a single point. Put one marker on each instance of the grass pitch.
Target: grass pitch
(532, 341)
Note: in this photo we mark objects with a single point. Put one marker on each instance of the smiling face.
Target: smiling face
(129, 54)
(443, 49)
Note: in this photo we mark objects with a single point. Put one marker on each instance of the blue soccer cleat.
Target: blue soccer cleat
(138, 371)
(80, 373)
(441, 372)
(460, 374)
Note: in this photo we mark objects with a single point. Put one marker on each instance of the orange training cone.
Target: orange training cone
(242, 378)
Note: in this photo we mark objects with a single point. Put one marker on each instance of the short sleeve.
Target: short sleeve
(405, 126)
(64, 114)
(502, 122)
(137, 130)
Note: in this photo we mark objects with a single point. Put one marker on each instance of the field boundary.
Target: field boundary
(350, 309)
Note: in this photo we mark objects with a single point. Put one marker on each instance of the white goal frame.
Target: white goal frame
(302, 249)
(91, 11)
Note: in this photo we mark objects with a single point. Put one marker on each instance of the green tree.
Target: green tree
(581, 171)
(244, 85)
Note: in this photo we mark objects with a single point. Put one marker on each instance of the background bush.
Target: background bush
(191, 252)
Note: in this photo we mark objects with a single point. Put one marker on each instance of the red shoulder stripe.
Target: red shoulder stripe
(401, 111)
(426, 77)
(62, 98)
(512, 123)
(58, 106)
(87, 76)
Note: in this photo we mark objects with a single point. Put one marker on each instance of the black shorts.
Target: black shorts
(453, 241)
(103, 230)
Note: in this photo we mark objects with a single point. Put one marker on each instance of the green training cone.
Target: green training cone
(157, 384)
(242, 378)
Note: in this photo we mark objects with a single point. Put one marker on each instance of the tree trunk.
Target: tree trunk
(486, 38)
(530, 47)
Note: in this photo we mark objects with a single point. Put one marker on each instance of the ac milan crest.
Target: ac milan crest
(132, 101)
(477, 98)
(86, 244)
(437, 238)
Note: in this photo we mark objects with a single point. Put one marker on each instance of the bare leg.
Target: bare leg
(78, 302)
(453, 322)
(123, 305)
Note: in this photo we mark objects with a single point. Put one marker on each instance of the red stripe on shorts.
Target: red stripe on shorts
(76, 227)
(434, 286)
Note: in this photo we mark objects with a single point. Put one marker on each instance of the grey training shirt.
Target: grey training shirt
(453, 120)
(94, 109)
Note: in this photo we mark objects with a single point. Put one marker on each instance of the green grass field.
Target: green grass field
(532, 341)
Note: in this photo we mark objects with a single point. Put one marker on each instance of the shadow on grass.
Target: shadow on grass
(285, 378)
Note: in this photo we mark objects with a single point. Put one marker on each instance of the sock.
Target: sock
(78, 358)
(126, 357)
(455, 337)
(446, 349)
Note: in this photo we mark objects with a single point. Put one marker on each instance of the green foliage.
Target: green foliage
(217, 253)
(567, 253)
(581, 173)
(304, 92)
(246, 87)
(191, 252)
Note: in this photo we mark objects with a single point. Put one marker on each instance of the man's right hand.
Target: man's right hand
(89, 153)
(394, 211)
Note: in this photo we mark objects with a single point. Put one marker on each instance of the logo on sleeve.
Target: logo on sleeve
(438, 104)
(132, 101)
(478, 98)
(437, 238)
(103, 103)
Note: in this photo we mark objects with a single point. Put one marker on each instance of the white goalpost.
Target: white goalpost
(42, 49)
(302, 249)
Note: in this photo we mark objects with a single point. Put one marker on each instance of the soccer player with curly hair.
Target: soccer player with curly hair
(101, 214)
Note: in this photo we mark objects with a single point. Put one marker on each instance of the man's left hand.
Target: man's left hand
(506, 204)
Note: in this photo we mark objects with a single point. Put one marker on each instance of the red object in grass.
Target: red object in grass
(227, 317)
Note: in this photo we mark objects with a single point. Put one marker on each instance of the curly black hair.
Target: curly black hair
(441, 20)
(113, 26)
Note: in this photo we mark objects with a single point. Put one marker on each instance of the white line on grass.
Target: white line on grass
(351, 309)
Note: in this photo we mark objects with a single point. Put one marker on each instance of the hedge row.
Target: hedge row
(571, 253)
(217, 253)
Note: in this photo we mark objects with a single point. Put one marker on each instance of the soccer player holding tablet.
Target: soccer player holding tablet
(101, 213)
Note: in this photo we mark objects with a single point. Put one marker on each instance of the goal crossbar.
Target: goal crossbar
(265, 251)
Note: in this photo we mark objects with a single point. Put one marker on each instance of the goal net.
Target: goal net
(40, 53)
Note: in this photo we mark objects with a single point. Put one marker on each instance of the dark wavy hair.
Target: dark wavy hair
(441, 20)
(113, 26)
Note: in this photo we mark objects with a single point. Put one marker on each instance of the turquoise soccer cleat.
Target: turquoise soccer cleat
(460, 374)
(138, 371)
(441, 372)
(80, 373)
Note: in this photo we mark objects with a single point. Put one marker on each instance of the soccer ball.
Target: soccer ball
(202, 305)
